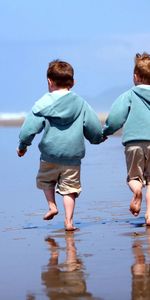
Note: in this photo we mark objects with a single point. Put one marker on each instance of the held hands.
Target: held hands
(21, 152)
(104, 138)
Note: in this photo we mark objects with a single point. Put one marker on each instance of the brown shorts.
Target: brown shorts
(66, 179)
(138, 161)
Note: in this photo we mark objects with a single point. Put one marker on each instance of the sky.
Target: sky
(99, 38)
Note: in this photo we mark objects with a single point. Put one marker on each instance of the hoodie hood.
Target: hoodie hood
(63, 110)
(143, 92)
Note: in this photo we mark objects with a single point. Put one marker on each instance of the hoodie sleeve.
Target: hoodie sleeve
(92, 126)
(32, 125)
(118, 114)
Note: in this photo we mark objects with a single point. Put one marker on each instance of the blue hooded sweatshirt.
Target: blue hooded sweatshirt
(66, 121)
(131, 111)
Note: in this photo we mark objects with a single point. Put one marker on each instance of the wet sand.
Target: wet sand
(107, 258)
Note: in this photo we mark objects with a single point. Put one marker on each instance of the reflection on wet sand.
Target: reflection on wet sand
(30, 297)
(66, 280)
(141, 268)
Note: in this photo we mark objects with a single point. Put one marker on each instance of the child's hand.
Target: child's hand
(21, 152)
(104, 138)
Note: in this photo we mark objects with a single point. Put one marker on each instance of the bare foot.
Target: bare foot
(135, 205)
(50, 215)
(69, 226)
(147, 219)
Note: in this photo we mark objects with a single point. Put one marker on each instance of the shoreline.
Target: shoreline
(17, 119)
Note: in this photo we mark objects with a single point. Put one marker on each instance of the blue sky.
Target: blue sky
(99, 38)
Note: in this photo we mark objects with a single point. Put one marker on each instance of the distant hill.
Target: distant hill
(103, 101)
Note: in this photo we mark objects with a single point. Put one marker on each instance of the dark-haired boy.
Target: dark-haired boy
(66, 119)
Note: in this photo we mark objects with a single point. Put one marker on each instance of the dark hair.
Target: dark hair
(61, 73)
(142, 67)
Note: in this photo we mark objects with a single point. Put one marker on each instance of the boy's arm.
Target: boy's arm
(32, 125)
(118, 114)
(92, 126)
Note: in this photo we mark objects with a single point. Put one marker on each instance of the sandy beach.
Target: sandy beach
(107, 258)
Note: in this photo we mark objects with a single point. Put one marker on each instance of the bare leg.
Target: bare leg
(147, 216)
(136, 188)
(69, 205)
(50, 196)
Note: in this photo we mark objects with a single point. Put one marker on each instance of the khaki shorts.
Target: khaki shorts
(138, 161)
(66, 179)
